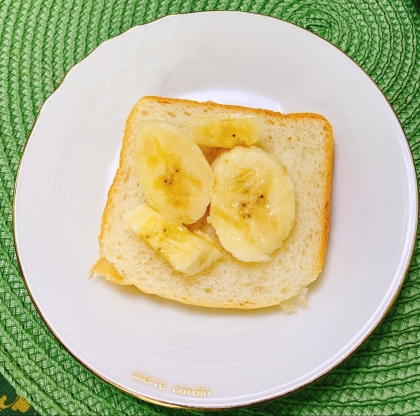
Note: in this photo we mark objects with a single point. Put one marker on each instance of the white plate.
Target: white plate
(202, 357)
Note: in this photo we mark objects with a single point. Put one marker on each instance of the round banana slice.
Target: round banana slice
(253, 203)
(173, 172)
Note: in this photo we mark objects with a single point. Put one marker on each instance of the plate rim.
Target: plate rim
(409, 254)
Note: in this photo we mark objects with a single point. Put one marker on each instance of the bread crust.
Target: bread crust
(107, 269)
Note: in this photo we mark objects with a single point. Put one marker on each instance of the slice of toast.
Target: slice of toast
(303, 142)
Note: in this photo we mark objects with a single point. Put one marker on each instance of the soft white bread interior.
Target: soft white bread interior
(303, 142)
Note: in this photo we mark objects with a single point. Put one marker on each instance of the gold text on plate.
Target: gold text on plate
(198, 391)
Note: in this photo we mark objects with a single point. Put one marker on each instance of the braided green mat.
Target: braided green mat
(40, 40)
(11, 404)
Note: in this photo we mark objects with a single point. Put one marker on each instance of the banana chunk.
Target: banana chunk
(173, 172)
(225, 133)
(185, 251)
(253, 203)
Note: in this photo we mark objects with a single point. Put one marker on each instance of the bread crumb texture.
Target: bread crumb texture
(303, 142)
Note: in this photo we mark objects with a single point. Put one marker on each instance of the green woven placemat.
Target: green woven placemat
(40, 40)
(11, 404)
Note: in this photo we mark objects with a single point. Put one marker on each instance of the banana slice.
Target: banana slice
(185, 251)
(173, 172)
(253, 203)
(225, 133)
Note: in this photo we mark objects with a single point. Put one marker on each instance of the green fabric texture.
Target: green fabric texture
(41, 40)
(11, 404)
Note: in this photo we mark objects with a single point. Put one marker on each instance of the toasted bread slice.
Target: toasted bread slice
(303, 142)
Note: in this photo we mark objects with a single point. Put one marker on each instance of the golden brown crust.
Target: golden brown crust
(253, 111)
(120, 172)
(106, 269)
(328, 191)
